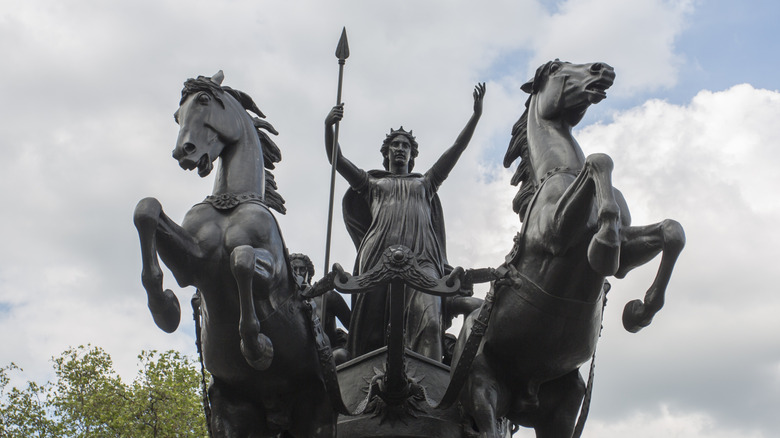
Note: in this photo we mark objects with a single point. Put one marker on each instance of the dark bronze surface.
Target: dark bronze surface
(397, 207)
(517, 358)
(576, 231)
(265, 376)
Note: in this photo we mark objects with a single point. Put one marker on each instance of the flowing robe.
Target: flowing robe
(385, 209)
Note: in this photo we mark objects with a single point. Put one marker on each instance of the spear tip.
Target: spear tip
(342, 50)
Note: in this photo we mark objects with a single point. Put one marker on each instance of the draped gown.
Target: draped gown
(388, 209)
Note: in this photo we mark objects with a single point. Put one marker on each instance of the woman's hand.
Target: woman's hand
(479, 95)
(335, 115)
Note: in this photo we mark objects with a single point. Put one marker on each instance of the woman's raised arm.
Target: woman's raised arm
(447, 161)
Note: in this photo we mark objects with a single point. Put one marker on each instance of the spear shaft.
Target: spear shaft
(342, 53)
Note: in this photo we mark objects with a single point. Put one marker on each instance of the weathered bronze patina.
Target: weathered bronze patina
(396, 207)
(516, 361)
(576, 231)
(266, 376)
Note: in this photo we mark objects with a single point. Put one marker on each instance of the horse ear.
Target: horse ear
(218, 77)
(535, 84)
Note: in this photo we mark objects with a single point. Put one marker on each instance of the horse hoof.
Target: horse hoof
(166, 311)
(604, 257)
(634, 318)
(260, 355)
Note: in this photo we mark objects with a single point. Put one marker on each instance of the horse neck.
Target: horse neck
(241, 167)
(551, 144)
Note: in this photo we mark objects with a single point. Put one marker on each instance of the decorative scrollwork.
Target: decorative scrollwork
(227, 201)
(399, 264)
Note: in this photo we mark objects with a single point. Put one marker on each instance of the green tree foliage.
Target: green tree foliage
(24, 412)
(167, 397)
(88, 399)
(88, 396)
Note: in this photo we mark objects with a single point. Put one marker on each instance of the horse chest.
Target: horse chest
(208, 232)
(251, 224)
(217, 233)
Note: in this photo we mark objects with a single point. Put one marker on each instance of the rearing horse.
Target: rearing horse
(257, 341)
(576, 231)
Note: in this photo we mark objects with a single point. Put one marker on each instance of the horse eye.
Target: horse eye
(204, 98)
(554, 67)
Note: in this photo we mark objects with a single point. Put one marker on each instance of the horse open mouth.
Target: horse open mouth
(205, 166)
(599, 87)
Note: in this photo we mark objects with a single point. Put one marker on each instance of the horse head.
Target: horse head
(560, 93)
(214, 119)
(211, 117)
(565, 90)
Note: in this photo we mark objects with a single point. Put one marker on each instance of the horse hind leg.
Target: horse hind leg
(640, 245)
(480, 397)
(560, 401)
(256, 347)
(232, 414)
(163, 304)
(313, 415)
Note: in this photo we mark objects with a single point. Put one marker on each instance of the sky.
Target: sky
(89, 89)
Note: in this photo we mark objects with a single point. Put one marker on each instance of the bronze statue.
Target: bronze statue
(266, 378)
(397, 207)
(517, 358)
(303, 268)
(576, 231)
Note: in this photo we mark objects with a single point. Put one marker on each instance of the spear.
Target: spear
(342, 53)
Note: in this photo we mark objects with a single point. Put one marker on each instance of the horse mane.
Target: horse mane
(518, 147)
(524, 174)
(271, 152)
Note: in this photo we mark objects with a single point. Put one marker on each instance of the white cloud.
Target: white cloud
(707, 365)
(88, 132)
(707, 164)
(637, 38)
(665, 422)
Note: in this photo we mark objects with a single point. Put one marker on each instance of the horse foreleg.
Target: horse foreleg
(245, 263)
(163, 304)
(640, 245)
(573, 210)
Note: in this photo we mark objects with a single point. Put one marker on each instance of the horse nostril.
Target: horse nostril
(189, 148)
(596, 67)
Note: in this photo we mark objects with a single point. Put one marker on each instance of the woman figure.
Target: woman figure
(397, 207)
